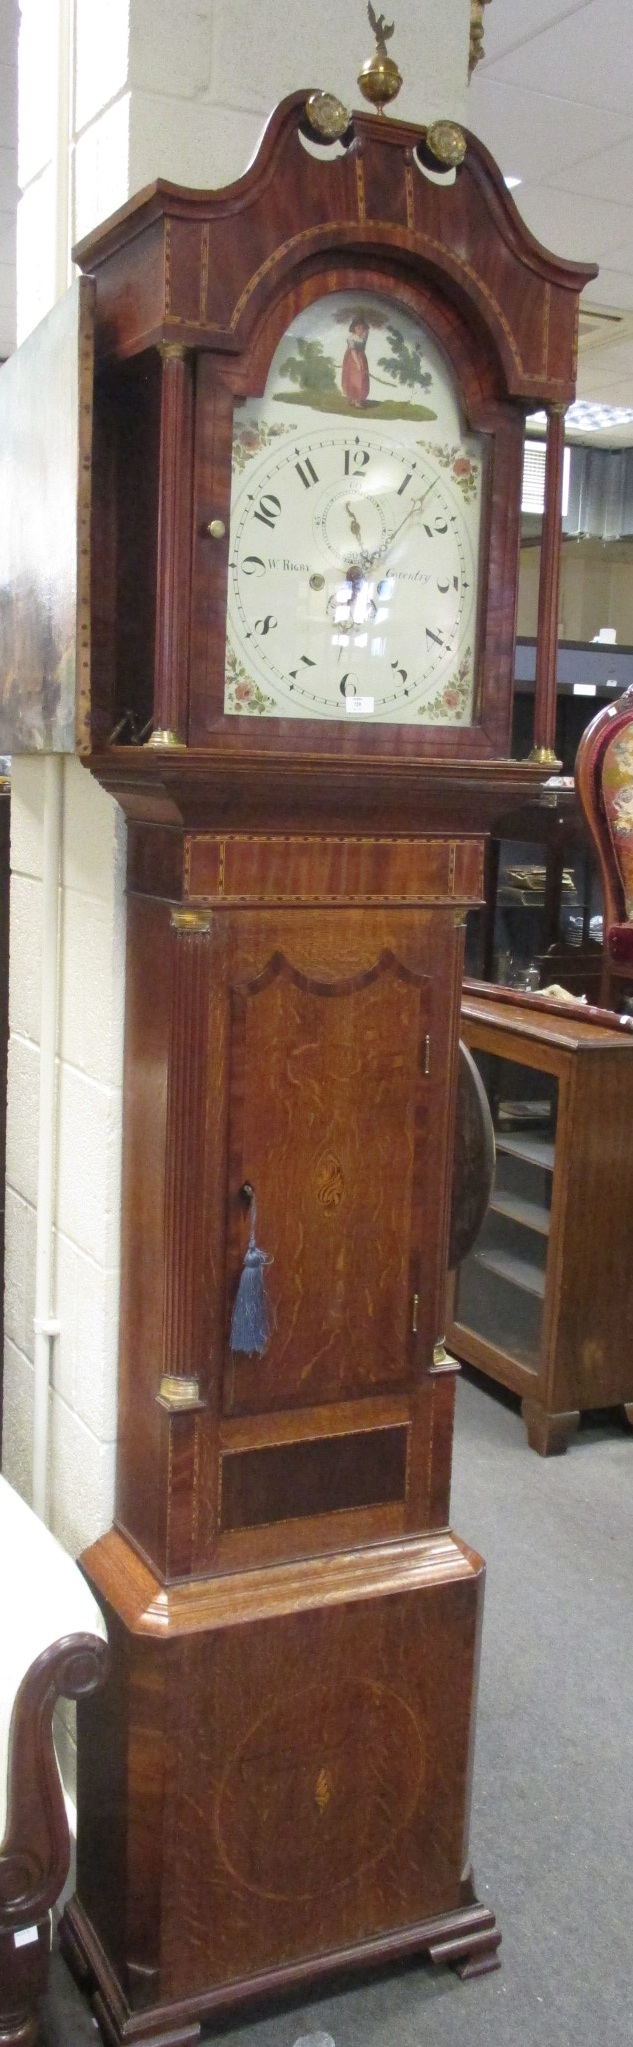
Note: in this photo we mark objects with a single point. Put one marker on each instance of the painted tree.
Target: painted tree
(404, 365)
(310, 368)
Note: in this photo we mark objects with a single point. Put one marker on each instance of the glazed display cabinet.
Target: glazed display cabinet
(543, 1302)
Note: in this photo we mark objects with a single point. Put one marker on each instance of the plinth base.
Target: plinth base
(274, 1783)
(467, 1941)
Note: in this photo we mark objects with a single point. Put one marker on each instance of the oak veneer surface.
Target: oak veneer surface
(309, 1056)
(291, 1764)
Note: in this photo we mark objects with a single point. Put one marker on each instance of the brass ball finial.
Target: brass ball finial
(379, 79)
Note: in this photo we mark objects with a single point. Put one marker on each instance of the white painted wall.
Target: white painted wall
(8, 171)
(181, 89)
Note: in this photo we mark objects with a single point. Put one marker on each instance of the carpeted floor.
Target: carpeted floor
(552, 1826)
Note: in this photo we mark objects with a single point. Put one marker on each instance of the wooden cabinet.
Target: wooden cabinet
(544, 1301)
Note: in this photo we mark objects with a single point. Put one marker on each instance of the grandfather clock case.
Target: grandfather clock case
(274, 1783)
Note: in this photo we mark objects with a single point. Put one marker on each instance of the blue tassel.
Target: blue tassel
(251, 1322)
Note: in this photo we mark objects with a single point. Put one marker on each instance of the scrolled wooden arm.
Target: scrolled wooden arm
(35, 1853)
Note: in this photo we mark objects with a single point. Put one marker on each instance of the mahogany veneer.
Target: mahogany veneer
(276, 1781)
(193, 291)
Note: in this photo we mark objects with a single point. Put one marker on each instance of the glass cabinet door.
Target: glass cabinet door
(501, 1285)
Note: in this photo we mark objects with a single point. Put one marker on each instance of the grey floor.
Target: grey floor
(552, 1827)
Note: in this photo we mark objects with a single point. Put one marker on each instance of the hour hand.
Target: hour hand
(354, 524)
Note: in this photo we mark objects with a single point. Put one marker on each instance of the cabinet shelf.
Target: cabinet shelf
(519, 1272)
(531, 1214)
(538, 1151)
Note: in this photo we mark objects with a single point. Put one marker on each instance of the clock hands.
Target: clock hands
(357, 573)
(354, 525)
(415, 506)
(369, 559)
(386, 545)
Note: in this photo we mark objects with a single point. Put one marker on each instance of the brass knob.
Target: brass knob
(216, 529)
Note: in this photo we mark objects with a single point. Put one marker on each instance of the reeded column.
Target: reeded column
(544, 748)
(184, 1160)
(173, 574)
(183, 1248)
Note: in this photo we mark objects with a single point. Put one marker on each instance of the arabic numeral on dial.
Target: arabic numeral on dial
(439, 526)
(348, 685)
(265, 625)
(355, 458)
(253, 565)
(305, 662)
(433, 639)
(402, 672)
(403, 486)
(444, 588)
(268, 510)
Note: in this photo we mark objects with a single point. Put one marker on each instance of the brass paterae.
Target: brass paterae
(447, 142)
(327, 116)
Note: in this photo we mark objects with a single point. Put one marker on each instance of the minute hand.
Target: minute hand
(380, 552)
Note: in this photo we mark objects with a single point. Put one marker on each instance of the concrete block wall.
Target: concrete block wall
(90, 1040)
(204, 77)
(181, 89)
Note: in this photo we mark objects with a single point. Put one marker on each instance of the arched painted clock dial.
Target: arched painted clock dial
(355, 528)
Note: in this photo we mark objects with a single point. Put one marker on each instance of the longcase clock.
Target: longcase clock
(309, 412)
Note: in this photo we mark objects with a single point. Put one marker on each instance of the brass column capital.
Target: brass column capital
(172, 351)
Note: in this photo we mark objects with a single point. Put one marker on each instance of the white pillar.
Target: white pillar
(9, 19)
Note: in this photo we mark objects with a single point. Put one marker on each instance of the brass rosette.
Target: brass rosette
(327, 116)
(447, 141)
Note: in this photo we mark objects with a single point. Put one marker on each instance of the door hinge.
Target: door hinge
(427, 1056)
(414, 1314)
